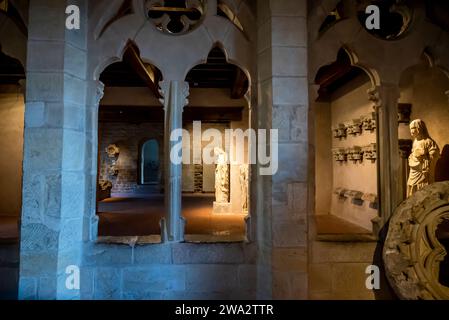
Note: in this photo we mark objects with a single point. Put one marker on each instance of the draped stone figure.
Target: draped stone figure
(422, 159)
(244, 186)
(221, 176)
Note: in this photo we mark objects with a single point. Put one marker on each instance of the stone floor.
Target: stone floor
(140, 217)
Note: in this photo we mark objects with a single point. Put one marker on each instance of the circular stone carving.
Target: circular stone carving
(176, 17)
(412, 252)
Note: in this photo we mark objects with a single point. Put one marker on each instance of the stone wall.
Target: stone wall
(129, 138)
(169, 271)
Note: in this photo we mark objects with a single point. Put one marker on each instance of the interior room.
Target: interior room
(131, 151)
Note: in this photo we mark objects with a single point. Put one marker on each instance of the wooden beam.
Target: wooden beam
(150, 75)
(240, 86)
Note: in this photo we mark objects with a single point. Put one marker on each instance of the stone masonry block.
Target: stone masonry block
(206, 278)
(286, 259)
(152, 254)
(289, 31)
(289, 61)
(107, 284)
(154, 278)
(184, 253)
(107, 255)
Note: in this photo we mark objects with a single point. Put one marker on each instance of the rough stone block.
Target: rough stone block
(289, 233)
(75, 61)
(320, 277)
(290, 91)
(45, 87)
(290, 259)
(290, 285)
(34, 114)
(47, 23)
(38, 264)
(264, 36)
(289, 61)
(87, 283)
(265, 63)
(152, 254)
(211, 278)
(292, 164)
(185, 253)
(348, 281)
(27, 288)
(155, 278)
(107, 255)
(107, 284)
(342, 252)
(247, 278)
(47, 289)
(288, 8)
(297, 199)
(73, 154)
(289, 31)
(45, 56)
(73, 195)
(37, 156)
(74, 90)
(38, 237)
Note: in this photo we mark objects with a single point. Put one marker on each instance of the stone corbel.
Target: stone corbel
(340, 154)
(374, 97)
(371, 198)
(340, 192)
(339, 131)
(355, 154)
(370, 152)
(354, 127)
(369, 122)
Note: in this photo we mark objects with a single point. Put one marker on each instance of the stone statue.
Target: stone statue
(221, 176)
(422, 158)
(244, 186)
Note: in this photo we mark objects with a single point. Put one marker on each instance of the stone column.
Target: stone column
(175, 95)
(283, 105)
(385, 98)
(54, 166)
(95, 92)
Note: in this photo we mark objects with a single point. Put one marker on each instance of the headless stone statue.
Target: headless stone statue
(422, 158)
(221, 177)
(244, 186)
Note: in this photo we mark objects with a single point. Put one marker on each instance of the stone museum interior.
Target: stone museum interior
(337, 113)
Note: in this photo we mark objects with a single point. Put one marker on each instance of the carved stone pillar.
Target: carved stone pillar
(95, 94)
(175, 95)
(385, 98)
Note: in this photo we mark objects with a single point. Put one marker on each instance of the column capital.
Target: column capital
(174, 89)
(384, 93)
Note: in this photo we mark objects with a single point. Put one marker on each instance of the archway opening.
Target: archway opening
(215, 188)
(130, 195)
(346, 173)
(423, 96)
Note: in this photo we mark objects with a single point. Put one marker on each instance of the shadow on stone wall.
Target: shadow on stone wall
(442, 166)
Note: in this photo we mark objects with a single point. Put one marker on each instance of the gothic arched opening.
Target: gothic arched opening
(346, 172)
(130, 191)
(215, 189)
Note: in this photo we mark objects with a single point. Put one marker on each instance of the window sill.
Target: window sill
(335, 229)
